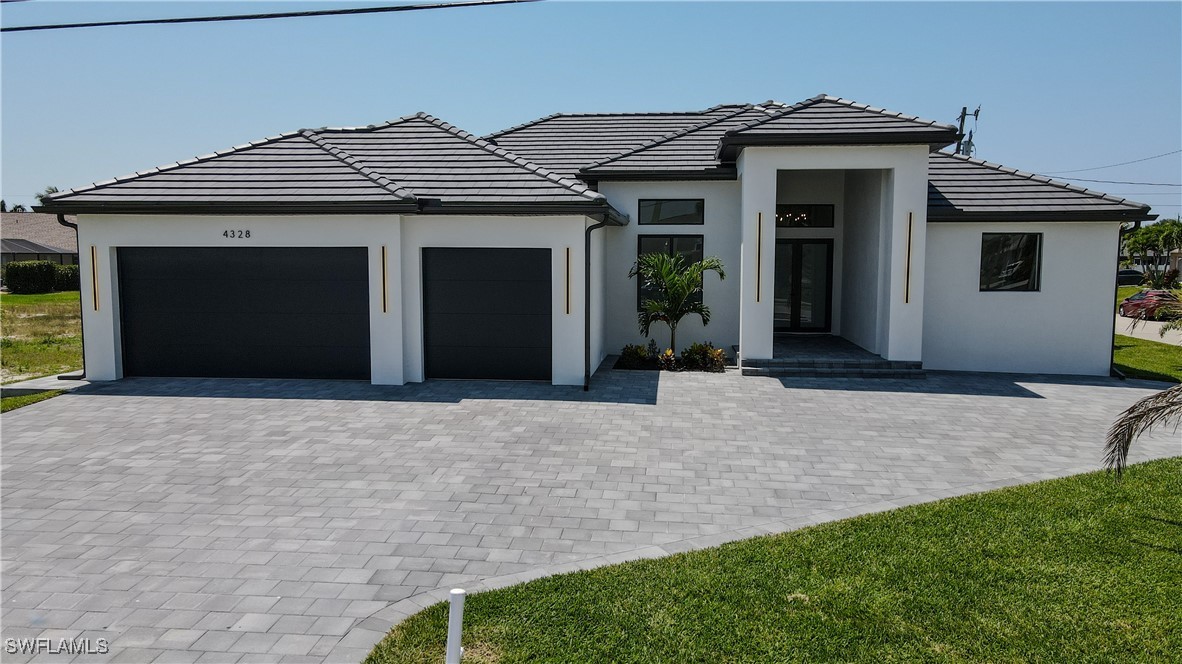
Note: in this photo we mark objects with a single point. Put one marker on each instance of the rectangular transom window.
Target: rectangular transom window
(1011, 261)
(688, 246)
(795, 215)
(688, 211)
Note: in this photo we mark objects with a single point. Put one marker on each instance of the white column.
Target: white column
(758, 252)
(908, 235)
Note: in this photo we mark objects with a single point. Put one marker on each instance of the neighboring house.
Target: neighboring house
(32, 236)
(411, 250)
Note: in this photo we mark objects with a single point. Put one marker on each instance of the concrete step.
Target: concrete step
(835, 372)
(831, 363)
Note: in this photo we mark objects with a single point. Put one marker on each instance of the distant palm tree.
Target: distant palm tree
(49, 191)
(675, 286)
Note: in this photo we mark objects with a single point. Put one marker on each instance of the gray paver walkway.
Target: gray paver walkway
(206, 520)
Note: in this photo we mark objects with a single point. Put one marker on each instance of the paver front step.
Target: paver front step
(833, 372)
(835, 363)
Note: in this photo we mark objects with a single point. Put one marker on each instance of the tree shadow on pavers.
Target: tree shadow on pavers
(964, 383)
(622, 387)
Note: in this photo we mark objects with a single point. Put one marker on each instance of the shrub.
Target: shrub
(668, 361)
(634, 357)
(67, 277)
(703, 357)
(27, 277)
(1169, 279)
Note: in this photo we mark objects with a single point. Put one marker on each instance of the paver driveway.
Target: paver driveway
(257, 520)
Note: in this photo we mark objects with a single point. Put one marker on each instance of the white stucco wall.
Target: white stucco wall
(1064, 328)
(395, 335)
(905, 198)
(543, 232)
(101, 343)
(720, 238)
(862, 263)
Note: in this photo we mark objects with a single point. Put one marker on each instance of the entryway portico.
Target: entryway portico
(833, 243)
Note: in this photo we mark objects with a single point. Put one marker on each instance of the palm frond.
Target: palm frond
(1161, 408)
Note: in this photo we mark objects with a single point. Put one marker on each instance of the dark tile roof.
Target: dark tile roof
(416, 163)
(40, 229)
(435, 160)
(567, 142)
(824, 116)
(8, 246)
(965, 189)
(688, 151)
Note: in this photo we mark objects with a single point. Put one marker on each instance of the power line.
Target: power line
(255, 17)
(1144, 184)
(1123, 163)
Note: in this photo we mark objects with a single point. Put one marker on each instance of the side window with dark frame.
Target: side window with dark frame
(1011, 261)
(671, 211)
(691, 247)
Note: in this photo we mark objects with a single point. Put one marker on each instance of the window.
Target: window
(689, 246)
(672, 211)
(793, 215)
(1011, 261)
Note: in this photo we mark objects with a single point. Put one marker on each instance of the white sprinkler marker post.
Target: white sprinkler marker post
(455, 626)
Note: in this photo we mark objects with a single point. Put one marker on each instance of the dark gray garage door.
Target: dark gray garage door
(257, 312)
(486, 313)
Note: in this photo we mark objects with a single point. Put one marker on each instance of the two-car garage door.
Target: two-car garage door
(245, 312)
(287, 312)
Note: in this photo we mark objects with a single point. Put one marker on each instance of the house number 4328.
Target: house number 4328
(235, 235)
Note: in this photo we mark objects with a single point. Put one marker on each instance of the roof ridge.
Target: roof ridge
(540, 120)
(174, 165)
(567, 183)
(812, 101)
(778, 114)
(1042, 178)
(668, 137)
(357, 165)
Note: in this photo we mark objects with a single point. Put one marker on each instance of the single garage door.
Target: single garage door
(486, 313)
(249, 312)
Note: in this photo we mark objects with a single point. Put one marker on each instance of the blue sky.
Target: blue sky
(1061, 85)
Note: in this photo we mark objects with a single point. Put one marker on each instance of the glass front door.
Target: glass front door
(803, 299)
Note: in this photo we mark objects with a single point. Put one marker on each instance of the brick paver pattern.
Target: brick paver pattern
(222, 521)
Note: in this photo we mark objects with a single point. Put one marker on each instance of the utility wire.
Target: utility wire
(255, 17)
(1146, 184)
(1123, 163)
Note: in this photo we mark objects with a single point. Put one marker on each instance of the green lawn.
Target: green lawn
(1152, 360)
(42, 335)
(1076, 570)
(12, 403)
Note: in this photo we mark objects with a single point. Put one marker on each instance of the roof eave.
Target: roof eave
(723, 174)
(589, 209)
(222, 207)
(730, 146)
(1114, 216)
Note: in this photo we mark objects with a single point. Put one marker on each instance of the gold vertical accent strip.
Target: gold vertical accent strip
(94, 276)
(385, 287)
(907, 267)
(758, 255)
(585, 276)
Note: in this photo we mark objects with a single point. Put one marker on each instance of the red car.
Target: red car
(1148, 305)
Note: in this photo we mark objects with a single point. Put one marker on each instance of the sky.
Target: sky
(1061, 86)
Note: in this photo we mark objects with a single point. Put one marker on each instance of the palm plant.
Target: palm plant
(1162, 408)
(674, 288)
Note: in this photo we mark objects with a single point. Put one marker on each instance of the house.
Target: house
(412, 250)
(30, 236)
